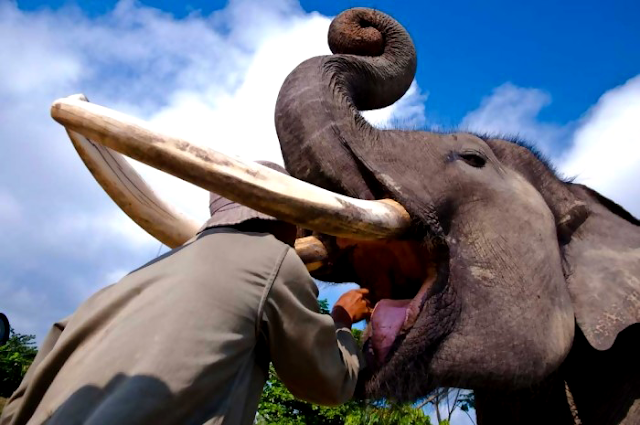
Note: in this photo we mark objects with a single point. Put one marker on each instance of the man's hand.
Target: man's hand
(352, 307)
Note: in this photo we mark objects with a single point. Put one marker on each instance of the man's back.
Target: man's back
(190, 370)
(188, 337)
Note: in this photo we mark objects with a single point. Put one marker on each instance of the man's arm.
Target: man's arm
(315, 356)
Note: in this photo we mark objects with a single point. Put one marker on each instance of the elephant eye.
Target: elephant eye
(473, 159)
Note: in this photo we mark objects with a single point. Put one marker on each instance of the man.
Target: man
(187, 338)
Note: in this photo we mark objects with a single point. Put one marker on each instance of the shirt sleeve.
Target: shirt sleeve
(316, 362)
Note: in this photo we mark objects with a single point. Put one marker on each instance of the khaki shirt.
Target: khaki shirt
(188, 340)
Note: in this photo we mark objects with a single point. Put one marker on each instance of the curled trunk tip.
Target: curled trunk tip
(380, 55)
(357, 32)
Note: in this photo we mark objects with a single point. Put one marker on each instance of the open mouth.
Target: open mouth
(393, 318)
(401, 276)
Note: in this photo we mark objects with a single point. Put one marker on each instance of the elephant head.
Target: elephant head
(503, 256)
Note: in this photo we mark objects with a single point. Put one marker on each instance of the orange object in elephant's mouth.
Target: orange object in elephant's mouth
(399, 276)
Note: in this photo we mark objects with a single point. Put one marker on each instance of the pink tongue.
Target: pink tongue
(386, 321)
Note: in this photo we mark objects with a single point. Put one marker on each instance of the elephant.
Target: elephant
(511, 280)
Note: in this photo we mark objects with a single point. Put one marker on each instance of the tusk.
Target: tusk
(251, 184)
(312, 252)
(143, 205)
(131, 193)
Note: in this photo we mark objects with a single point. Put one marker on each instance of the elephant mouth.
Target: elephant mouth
(404, 277)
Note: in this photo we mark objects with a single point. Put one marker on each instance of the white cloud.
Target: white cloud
(602, 149)
(212, 79)
(408, 112)
(512, 111)
(10, 208)
(605, 153)
(456, 416)
(33, 51)
(459, 417)
(18, 303)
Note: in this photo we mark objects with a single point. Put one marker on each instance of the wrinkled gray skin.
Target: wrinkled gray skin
(536, 276)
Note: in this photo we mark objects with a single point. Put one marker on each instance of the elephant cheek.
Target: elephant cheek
(560, 335)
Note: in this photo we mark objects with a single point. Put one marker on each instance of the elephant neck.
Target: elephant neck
(545, 403)
(591, 388)
(605, 385)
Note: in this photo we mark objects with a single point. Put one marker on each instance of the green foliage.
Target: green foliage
(15, 358)
(279, 406)
(390, 414)
(324, 306)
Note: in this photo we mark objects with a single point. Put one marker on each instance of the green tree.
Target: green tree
(279, 406)
(387, 414)
(15, 358)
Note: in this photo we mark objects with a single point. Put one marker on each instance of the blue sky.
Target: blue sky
(575, 50)
(565, 75)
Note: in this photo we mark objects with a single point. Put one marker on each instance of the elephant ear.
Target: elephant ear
(604, 269)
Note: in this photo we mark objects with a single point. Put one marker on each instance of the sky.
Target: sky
(563, 75)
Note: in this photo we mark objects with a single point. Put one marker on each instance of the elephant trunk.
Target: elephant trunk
(317, 119)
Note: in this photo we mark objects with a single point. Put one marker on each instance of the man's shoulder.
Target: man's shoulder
(228, 235)
(260, 250)
(252, 247)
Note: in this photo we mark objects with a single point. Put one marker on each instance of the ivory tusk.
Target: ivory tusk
(251, 184)
(132, 194)
(312, 252)
(143, 205)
